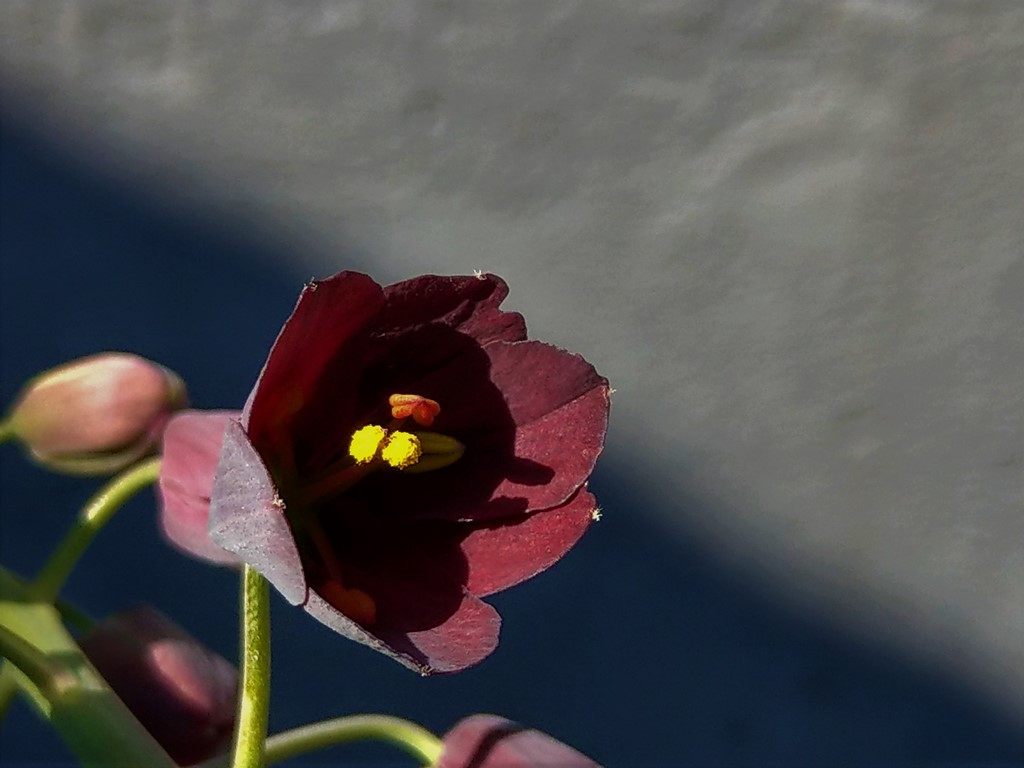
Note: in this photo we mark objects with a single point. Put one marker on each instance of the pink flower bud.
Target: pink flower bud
(489, 741)
(98, 414)
(184, 694)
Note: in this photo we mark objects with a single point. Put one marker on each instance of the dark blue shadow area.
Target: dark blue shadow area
(639, 648)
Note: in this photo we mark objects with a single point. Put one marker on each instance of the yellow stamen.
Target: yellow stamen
(401, 450)
(435, 442)
(366, 442)
(374, 447)
(439, 451)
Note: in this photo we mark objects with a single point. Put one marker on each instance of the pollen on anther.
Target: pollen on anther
(366, 442)
(423, 410)
(401, 450)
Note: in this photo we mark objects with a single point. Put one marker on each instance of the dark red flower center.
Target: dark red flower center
(371, 447)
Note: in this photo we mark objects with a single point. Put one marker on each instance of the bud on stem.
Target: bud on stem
(96, 415)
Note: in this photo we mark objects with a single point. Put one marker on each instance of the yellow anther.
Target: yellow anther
(366, 442)
(401, 450)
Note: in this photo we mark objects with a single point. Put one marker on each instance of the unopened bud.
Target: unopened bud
(98, 414)
(184, 694)
(489, 741)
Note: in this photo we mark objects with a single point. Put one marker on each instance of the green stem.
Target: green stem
(8, 689)
(91, 519)
(66, 690)
(74, 617)
(254, 703)
(94, 515)
(6, 430)
(414, 739)
(69, 613)
(28, 659)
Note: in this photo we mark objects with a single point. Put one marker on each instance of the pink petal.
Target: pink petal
(247, 516)
(489, 741)
(505, 554)
(191, 446)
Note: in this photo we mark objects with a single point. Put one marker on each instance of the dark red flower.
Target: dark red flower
(184, 694)
(405, 452)
(488, 741)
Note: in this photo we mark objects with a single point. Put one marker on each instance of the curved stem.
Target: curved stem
(414, 739)
(8, 689)
(64, 687)
(94, 515)
(91, 519)
(6, 430)
(32, 662)
(71, 616)
(254, 703)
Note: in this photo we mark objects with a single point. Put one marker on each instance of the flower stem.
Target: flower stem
(94, 515)
(414, 739)
(254, 703)
(31, 662)
(61, 684)
(6, 430)
(8, 688)
(91, 519)
(69, 613)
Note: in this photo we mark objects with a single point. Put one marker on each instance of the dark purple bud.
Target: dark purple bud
(184, 694)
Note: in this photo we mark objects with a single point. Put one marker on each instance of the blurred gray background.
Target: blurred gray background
(790, 233)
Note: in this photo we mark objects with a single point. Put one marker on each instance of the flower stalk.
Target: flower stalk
(64, 688)
(254, 702)
(96, 514)
(27, 659)
(414, 739)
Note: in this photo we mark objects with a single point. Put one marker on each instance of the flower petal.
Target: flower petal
(509, 552)
(247, 516)
(468, 304)
(489, 741)
(191, 446)
(559, 405)
(414, 571)
(533, 430)
(467, 637)
(329, 315)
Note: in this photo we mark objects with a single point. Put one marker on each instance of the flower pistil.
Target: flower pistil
(374, 447)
